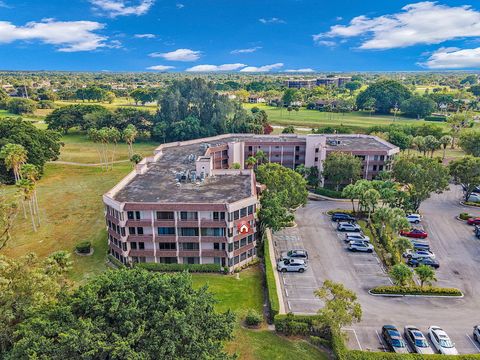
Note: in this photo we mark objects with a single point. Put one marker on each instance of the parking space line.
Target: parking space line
(473, 342)
(381, 342)
(289, 306)
(286, 292)
(356, 337)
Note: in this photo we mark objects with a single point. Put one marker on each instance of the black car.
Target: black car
(342, 217)
(424, 261)
(477, 231)
(394, 339)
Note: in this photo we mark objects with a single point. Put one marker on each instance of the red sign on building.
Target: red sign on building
(243, 227)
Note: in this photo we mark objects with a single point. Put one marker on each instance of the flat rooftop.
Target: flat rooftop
(356, 143)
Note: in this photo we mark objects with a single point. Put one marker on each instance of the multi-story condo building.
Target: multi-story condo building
(301, 83)
(186, 203)
(336, 81)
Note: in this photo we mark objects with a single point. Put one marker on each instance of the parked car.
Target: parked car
(394, 339)
(476, 333)
(477, 231)
(292, 265)
(420, 244)
(337, 217)
(417, 340)
(295, 254)
(475, 197)
(356, 236)
(414, 218)
(345, 226)
(441, 341)
(362, 246)
(473, 221)
(418, 254)
(476, 189)
(414, 233)
(424, 261)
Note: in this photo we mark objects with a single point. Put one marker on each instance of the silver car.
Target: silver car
(362, 246)
(351, 236)
(345, 226)
(418, 254)
(417, 340)
(476, 333)
(292, 265)
(295, 254)
(474, 197)
(441, 341)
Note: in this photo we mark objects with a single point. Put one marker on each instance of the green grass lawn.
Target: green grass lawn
(78, 148)
(312, 118)
(118, 102)
(246, 293)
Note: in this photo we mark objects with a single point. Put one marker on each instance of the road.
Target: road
(453, 242)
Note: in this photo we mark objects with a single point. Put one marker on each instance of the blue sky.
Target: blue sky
(239, 36)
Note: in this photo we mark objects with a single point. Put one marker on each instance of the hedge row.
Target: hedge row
(471, 203)
(436, 118)
(465, 216)
(416, 290)
(117, 263)
(340, 211)
(329, 193)
(273, 302)
(199, 268)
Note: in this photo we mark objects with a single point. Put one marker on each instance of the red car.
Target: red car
(414, 233)
(473, 221)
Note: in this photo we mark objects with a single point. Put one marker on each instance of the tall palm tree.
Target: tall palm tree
(445, 140)
(129, 134)
(14, 156)
(27, 187)
(30, 172)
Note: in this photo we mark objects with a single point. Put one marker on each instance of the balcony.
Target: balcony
(166, 253)
(243, 249)
(189, 253)
(213, 223)
(139, 223)
(165, 238)
(112, 219)
(214, 239)
(245, 218)
(164, 223)
(142, 238)
(141, 253)
(214, 253)
(187, 223)
(194, 239)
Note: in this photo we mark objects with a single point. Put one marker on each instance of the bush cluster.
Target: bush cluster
(273, 302)
(253, 318)
(340, 211)
(200, 268)
(83, 247)
(436, 118)
(303, 325)
(465, 216)
(416, 290)
(329, 193)
(115, 261)
(471, 203)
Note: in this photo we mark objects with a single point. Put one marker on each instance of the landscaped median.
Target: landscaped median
(194, 268)
(415, 291)
(273, 302)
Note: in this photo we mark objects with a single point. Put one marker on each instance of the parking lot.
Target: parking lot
(453, 242)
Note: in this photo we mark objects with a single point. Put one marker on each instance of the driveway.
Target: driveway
(452, 241)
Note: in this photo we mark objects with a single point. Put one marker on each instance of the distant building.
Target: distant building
(255, 99)
(333, 81)
(186, 205)
(301, 83)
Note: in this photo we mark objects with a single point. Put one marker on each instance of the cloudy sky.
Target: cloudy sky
(239, 35)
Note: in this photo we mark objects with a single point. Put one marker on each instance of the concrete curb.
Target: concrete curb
(418, 296)
(470, 206)
(271, 250)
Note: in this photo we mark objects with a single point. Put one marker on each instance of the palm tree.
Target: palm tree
(30, 172)
(113, 137)
(260, 156)
(445, 140)
(14, 155)
(250, 162)
(129, 134)
(426, 275)
(8, 213)
(27, 187)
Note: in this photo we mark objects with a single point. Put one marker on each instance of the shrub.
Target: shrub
(471, 203)
(329, 193)
(340, 211)
(46, 104)
(291, 324)
(115, 261)
(416, 290)
(199, 268)
(273, 302)
(83, 247)
(253, 318)
(436, 118)
(465, 216)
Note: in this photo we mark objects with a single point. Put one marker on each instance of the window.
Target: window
(168, 260)
(188, 215)
(297, 148)
(165, 215)
(243, 256)
(166, 231)
(140, 230)
(130, 215)
(213, 231)
(141, 245)
(380, 167)
(132, 230)
(167, 246)
(316, 150)
(191, 260)
(230, 232)
(243, 242)
(375, 157)
(217, 260)
(122, 231)
(236, 245)
(382, 157)
(124, 246)
(189, 246)
(250, 148)
(230, 247)
(188, 231)
(297, 157)
(251, 210)
(236, 215)
(133, 245)
(218, 215)
(243, 212)
(374, 167)
(316, 159)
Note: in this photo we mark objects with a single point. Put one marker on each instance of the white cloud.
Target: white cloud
(307, 70)
(264, 68)
(3, 4)
(272, 20)
(68, 36)
(245, 51)
(212, 68)
(326, 43)
(115, 8)
(453, 58)
(144, 36)
(180, 6)
(179, 55)
(424, 22)
(161, 67)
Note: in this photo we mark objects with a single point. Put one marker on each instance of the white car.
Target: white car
(362, 246)
(289, 265)
(418, 254)
(474, 197)
(356, 236)
(441, 341)
(345, 226)
(414, 218)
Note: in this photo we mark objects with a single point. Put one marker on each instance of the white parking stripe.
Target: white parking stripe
(381, 342)
(289, 307)
(356, 337)
(473, 342)
(286, 292)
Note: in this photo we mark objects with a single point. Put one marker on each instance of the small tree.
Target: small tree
(14, 156)
(236, 166)
(426, 275)
(341, 305)
(250, 162)
(290, 129)
(470, 142)
(403, 244)
(341, 167)
(445, 140)
(466, 171)
(136, 158)
(401, 274)
(350, 192)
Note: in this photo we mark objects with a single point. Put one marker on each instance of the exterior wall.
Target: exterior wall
(289, 154)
